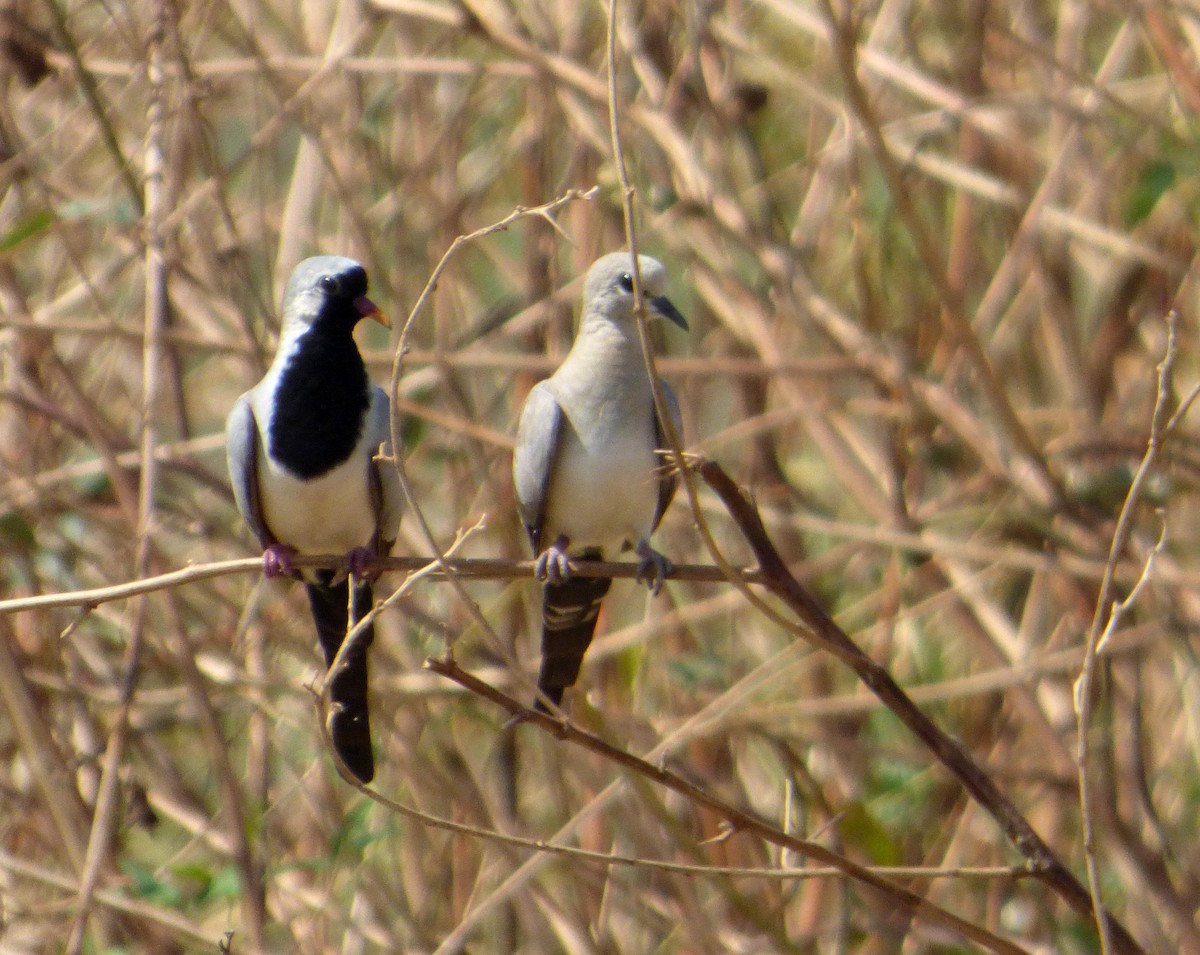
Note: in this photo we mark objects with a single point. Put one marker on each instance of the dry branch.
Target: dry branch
(825, 634)
(739, 820)
(465, 568)
(820, 194)
(1108, 612)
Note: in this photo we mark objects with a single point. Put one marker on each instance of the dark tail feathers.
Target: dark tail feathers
(349, 720)
(569, 613)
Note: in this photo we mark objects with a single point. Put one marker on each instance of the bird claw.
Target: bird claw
(277, 561)
(552, 564)
(361, 562)
(653, 569)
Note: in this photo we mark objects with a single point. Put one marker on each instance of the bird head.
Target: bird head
(608, 288)
(329, 289)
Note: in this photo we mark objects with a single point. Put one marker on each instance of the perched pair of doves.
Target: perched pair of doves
(305, 447)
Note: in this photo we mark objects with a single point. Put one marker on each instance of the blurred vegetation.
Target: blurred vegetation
(927, 250)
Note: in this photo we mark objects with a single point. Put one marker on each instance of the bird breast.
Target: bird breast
(330, 514)
(604, 487)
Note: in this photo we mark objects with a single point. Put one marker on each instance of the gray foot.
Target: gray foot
(552, 565)
(654, 567)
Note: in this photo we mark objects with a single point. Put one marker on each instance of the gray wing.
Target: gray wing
(533, 458)
(385, 480)
(667, 483)
(241, 453)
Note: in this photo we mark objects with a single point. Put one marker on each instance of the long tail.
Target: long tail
(569, 613)
(349, 719)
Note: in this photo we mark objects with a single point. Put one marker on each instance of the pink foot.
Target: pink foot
(277, 561)
(361, 562)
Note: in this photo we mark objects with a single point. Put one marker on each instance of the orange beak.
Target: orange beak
(368, 309)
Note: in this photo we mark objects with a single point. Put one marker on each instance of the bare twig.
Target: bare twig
(105, 813)
(843, 868)
(354, 634)
(1043, 162)
(823, 632)
(673, 453)
(474, 568)
(545, 212)
(953, 315)
(1107, 614)
(739, 820)
(118, 902)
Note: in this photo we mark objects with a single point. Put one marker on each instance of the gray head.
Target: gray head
(329, 289)
(608, 288)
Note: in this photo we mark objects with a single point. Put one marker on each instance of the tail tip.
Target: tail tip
(351, 737)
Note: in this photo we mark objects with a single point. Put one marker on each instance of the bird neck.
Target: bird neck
(611, 346)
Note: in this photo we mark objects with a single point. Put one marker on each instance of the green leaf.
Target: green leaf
(24, 229)
(225, 884)
(1157, 177)
(412, 431)
(148, 886)
(95, 486)
(16, 532)
(860, 828)
(195, 877)
(354, 834)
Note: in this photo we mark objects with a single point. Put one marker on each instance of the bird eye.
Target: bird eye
(627, 282)
(330, 284)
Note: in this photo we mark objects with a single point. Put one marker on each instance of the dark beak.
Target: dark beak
(368, 309)
(662, 306)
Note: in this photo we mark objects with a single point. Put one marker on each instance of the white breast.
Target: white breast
(331, 514)
(604, 490)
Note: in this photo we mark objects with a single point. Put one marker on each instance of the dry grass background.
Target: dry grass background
(928, 250)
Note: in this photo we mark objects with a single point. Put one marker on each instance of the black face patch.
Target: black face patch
(321, 400)
(346, 286)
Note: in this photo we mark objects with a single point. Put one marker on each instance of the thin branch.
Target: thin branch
(91, 92)
(843, 868)
(740, 820)
(673, 453)
(473, 568)
(25, 869)
(953, 315)
(1107, 612)
(546, 212)
(355, 633)
(823, 632)
(104, 816)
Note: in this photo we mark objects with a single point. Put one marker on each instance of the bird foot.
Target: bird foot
(653, 569)
(277, 561)
(361, 562)
(552, 564)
